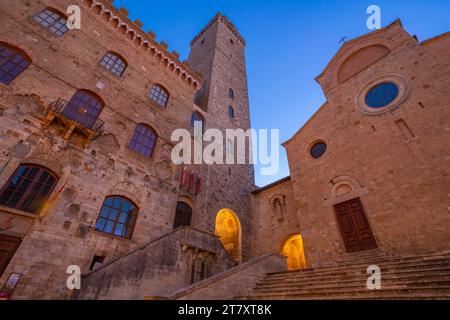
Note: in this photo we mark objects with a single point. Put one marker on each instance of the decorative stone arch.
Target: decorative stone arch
(330, 79)
(278, 205)
(342, 188)
(47, 160)
(128, 190)
(19, 49)
(228, 229)
(187, 200)
(361, 59)
(116, 53)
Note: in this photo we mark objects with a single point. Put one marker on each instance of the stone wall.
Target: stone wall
(234, 282)
(276, 224)
(158, 268)
(395, 159)
(63, 234)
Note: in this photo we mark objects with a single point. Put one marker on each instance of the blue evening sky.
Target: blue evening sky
(289, 42)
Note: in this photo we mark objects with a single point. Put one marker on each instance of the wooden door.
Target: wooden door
(354, 226)
(8, 246)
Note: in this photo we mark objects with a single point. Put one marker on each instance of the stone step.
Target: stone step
(437, 282)
(380, 260)
(362, 268)
(412, 277)
(417, 276)
(344, 276)
(441, 292)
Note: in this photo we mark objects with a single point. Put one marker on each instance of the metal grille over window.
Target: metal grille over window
(143, 140)
(53, 21)
(159, 95)
(114, 63)
(12, 63)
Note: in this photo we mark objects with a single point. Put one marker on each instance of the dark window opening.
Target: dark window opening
(97, 262)
(28, 188)
(197, 117)
(230, 112)
(318, 149)
(231, 93)
(183, 215)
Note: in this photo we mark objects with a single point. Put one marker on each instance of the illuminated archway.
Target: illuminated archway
(292, 248)
(228, 228)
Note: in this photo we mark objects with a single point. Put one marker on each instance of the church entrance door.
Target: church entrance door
(354, 226)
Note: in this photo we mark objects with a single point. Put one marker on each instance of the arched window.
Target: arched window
(183, 215)
(28, 188)
(231, 93)
(12, 63)
(230, 112)
(53, 21)
(84, 107)
(197, 117)
(117, 216)
(114, 63)
(143, 140)
(159, 95)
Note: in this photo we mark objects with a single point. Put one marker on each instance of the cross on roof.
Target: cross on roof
(343, 40)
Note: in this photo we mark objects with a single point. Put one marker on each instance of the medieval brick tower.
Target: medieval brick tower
(218, 52)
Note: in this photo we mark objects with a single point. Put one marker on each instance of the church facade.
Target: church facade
(86, 177)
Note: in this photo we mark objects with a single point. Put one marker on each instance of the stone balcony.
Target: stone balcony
(62, 111)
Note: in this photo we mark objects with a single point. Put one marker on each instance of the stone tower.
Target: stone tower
(218, 53)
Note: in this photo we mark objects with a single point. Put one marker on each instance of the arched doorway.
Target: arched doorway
(292, 248)
(228, 228)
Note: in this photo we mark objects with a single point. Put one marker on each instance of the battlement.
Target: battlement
(118, 18)
(227, 22)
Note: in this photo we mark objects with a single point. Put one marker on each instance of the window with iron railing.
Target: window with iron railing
(83, 108)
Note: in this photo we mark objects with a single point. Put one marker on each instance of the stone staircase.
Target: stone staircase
(411, 277)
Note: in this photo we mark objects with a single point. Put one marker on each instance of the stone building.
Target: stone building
(86, 176)
(370, 168)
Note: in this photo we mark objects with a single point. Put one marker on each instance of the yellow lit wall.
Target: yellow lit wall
(293, 250)
(227, 228)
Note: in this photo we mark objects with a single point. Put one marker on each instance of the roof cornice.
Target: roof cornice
(134, 33)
